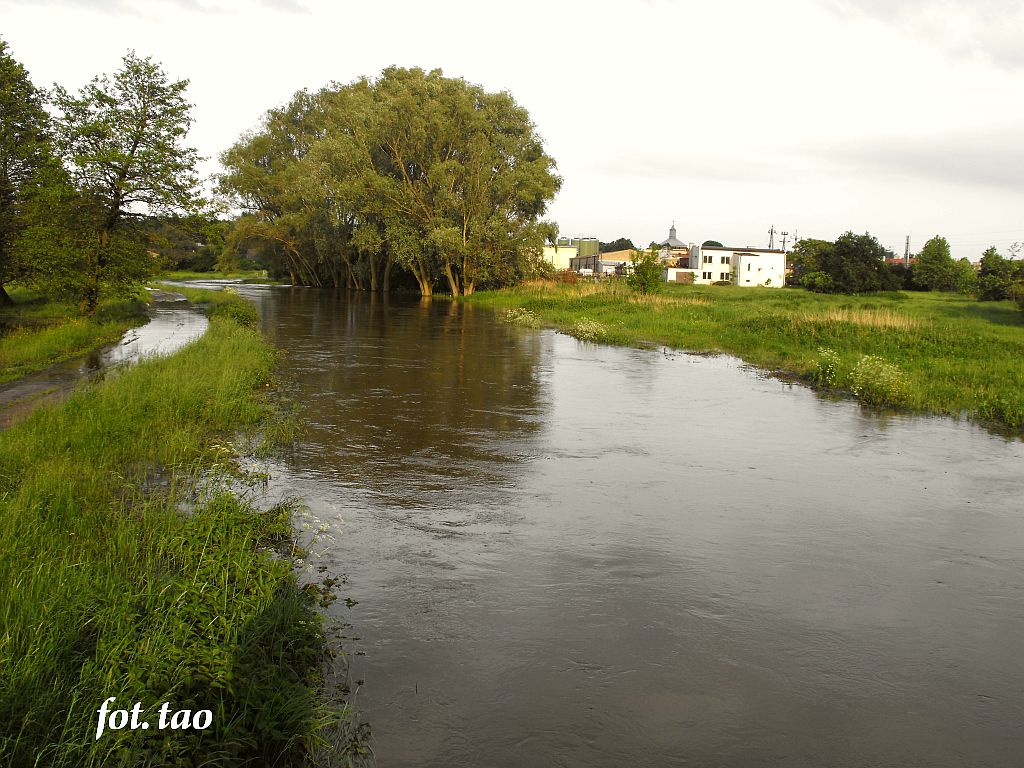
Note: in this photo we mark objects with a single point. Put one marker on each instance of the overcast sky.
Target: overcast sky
(726, 116)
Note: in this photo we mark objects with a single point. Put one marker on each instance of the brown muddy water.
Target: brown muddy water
(566, 554)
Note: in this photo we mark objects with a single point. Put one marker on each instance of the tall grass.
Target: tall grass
(108, 588)
(937, 353)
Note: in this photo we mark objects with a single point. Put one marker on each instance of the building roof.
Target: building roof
(745, 249)
(624, 255)
(672, 241)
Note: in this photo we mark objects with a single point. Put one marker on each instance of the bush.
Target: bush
(877, 382)
(646, 276)
(1016, 292)
(819, 282)
(568, 276)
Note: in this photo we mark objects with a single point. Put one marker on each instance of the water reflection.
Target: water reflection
(568, 554)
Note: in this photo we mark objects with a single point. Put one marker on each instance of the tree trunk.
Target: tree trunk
(5, 297)
(452, 282)
(386, 279)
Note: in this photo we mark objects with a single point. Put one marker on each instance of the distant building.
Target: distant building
(672, 247)
(560, 256)
(709, 264)
(602, 263)
(587, 246)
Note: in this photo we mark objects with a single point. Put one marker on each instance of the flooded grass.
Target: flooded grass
(108, 589)
(39, 333)
(245, 276)
(950, 354)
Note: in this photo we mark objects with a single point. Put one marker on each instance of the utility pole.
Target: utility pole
(771, 238)
(906, 252)
(784, 235)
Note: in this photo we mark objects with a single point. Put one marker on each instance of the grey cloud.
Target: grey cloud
(662, 165)
(990, 29)
(995, 159)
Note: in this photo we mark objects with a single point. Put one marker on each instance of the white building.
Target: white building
(707, 264)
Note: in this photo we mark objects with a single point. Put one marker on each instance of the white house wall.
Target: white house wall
(761, 269)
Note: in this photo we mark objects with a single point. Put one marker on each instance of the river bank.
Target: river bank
(922, 352)
(38, 333)
(108, 589)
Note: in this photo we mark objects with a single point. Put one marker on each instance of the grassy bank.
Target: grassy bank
(928, 352)
(108, 588)
(38, 333)
(249, 276)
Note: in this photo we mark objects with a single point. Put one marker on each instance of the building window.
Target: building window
(706, 275)
(748, 266)
(724, 276)
(725, 260)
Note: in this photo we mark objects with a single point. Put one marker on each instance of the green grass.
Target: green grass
(39, 333)
(129, 568)
(246, 276)
(936, 353)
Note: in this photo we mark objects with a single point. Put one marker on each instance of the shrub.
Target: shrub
(646, 276)
(877, 382)
(819, 282)
(568, 276)
(586, 329)
(825, 370)
(1016, 292)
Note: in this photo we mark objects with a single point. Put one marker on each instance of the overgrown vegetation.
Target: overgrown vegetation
(37, 333)
(129, 568)
(929, 352)
(646, 270)
(411, 175)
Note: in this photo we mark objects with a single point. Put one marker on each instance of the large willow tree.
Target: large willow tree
(413, 171)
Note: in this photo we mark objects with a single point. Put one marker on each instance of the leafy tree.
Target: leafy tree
(805, 257)
(712, 243)
(855, 264)
(997, 275)
(934, 269)
(622, 244)
(24, 147)
(121, 142)
(415, 171)
(965, 278)
(646, 273)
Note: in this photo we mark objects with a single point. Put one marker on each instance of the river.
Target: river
(566, 554)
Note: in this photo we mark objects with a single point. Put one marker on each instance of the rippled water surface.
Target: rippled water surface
(575, 555)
